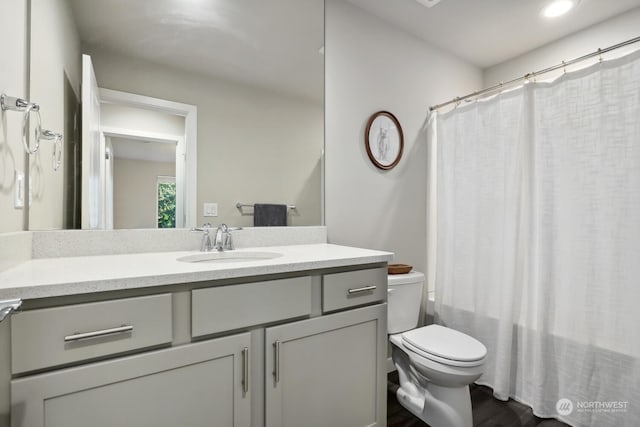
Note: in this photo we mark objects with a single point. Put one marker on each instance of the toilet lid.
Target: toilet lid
(445, 343)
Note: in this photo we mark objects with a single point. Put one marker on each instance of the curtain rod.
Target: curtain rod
(535, 73)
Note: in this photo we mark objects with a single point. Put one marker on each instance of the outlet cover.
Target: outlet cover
(210, 209)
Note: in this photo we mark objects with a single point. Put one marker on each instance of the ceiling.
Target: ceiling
(488, 32)
(272, 44)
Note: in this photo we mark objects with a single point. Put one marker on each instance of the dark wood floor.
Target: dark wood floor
(487, 411)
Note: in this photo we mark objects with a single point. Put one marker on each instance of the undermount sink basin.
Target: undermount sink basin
(230, 256)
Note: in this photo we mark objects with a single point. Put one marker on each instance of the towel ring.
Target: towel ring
(57, 152)
(26, 108)
(25, 124)
(48, 135)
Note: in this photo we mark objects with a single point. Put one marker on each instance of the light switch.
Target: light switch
(19, 193)
(18, 197)
(210, 209)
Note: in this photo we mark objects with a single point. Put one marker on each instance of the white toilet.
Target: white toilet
(435, 364)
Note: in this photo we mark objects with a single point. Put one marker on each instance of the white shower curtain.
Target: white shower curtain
(538, 241)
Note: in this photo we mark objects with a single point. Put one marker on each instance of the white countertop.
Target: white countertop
(51, 277)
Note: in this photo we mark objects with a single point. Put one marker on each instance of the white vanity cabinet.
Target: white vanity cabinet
(328, 371)
(195, 385)
(289, 350)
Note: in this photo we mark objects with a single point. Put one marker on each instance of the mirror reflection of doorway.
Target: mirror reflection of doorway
(125, 134)
(143, 177)
(166, 202)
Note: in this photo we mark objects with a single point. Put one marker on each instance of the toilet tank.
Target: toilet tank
(403, 301)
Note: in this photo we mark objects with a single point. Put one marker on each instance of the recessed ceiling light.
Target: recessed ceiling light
(428, 3)
(558, 8)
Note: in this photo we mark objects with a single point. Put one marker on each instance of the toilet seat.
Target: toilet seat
(445, 345)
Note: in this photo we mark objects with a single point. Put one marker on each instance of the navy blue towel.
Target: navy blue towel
(269, 215)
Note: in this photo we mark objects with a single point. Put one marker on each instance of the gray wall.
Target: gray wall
(134, 192)
(13, 83)
(55, 56)
(371, 66)
(12, 159)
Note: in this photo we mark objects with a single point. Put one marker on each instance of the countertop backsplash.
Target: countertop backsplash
(15, 248)
(22, 246)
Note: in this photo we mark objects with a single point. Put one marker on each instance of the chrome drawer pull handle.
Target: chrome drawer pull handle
(245, 371)
(125, 329)
(363, 289)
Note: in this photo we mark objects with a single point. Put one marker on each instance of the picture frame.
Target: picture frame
(384, 140)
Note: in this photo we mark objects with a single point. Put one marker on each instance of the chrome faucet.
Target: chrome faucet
(207, 245)
(223, 240)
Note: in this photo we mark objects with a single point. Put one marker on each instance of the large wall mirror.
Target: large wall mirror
(243, 80)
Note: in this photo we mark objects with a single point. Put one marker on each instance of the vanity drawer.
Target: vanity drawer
(224, 308)
(353, 288)
(63, 335)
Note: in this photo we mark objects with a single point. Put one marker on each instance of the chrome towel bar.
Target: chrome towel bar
(247, 205)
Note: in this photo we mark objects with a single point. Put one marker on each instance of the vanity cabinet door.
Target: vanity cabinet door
(328, 371)
(195, 385)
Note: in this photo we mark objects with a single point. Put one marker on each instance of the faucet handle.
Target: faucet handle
(205, 227)
(228, 241)
(206, 238)
(227, 237)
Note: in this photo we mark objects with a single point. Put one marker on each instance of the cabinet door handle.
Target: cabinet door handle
(363, 289)
(276, 362)
(245, 371)
(124, 329)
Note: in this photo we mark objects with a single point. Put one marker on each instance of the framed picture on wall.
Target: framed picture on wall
(384, 140)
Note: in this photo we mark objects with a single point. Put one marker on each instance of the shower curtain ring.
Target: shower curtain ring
(599, 55)
(25, 125)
